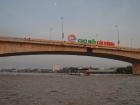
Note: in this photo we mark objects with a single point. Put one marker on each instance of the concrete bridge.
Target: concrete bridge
(29, 46)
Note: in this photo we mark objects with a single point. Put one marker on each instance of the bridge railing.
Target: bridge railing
(60, 42)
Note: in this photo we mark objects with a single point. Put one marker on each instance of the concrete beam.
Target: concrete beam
(136, 68)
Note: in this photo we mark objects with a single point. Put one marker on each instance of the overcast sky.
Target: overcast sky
(85, 18)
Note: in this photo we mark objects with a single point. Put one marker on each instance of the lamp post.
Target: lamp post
(50, 33)
(96, 36)
(131, 42)
(117, 28)
(62, 26)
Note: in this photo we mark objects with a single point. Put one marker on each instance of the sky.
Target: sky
(84, 18)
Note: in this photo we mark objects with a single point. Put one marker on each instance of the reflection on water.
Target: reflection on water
(62, 89)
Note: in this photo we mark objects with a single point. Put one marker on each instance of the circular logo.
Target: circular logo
(72, 38)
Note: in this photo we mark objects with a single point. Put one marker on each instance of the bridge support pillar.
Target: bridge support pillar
(136, 68)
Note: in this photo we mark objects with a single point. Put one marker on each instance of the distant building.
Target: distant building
(55, 67)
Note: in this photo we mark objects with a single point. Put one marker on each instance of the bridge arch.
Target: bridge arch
(24, 47)
(94, 53)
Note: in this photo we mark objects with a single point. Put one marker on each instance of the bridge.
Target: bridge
(13, 46)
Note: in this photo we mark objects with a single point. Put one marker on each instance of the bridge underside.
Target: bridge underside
(135, 63)
(92, 54)
(10, 48)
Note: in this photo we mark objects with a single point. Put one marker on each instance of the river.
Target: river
(63, 89)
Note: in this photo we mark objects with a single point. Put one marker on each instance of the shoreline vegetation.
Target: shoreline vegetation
(73, 70)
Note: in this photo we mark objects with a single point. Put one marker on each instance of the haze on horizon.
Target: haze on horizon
(84, 18)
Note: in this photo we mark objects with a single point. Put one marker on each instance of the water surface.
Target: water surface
(62, 89)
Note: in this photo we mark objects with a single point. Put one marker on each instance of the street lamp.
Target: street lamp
(50, 33)
(96, 36)
(117, 28)
(62, 25)
(131, 42)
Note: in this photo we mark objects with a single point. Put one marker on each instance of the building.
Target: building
(55, 67)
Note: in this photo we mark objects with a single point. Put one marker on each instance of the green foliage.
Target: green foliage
(124, 70)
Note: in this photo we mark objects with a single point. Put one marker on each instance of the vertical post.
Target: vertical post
(131, 42)
(96, 36)
(62, 26)
(50, 33)
(118, 34)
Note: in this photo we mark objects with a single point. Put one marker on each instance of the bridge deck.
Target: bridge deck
(60, 42)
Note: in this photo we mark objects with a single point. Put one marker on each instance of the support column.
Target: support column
(136, 68)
